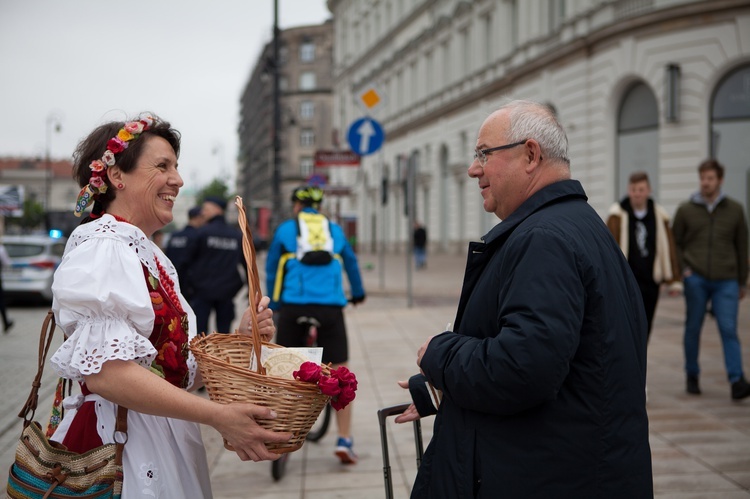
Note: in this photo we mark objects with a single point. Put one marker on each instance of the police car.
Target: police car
(34, 261)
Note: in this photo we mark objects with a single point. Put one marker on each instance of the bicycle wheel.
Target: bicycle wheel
(320, 427)
(278, 467)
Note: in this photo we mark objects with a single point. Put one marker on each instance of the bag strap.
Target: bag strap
(45, 340)
(29, 408)
(121, 427)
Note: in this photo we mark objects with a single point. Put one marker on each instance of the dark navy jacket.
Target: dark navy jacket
(543, 379)
(216, 257)
(177, 251)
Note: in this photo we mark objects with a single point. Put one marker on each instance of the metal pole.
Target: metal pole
(276, 181)
(52, 121)
(381, 246)
(411, 204)
(47, 167)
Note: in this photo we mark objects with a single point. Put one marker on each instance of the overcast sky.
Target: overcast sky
(90, 61)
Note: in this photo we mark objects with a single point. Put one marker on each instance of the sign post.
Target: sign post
(325, 159)
(365, 136)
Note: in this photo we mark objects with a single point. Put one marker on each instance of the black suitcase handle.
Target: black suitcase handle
(383, 415)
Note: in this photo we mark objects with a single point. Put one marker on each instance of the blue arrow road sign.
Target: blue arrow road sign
(365, 136)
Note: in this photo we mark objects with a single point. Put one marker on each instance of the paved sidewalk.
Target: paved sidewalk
(700, 445)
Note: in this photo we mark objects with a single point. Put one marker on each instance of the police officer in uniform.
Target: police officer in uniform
(215, 275)
(177, 249)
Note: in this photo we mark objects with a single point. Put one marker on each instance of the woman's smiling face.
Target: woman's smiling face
(149, 190)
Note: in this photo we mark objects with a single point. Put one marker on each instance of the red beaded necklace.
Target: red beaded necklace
(166, 282)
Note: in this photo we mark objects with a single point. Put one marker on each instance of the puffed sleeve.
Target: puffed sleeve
(101, 301)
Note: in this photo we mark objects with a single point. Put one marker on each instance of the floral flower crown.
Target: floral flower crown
(97, 184)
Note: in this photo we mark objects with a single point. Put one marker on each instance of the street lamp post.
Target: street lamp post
(53, 122)
(276, 180)
(218, 151)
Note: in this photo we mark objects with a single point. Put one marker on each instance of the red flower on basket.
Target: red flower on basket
(340, 385)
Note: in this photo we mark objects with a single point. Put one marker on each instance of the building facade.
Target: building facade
(654, 85)
(305, 107)
(48, 183)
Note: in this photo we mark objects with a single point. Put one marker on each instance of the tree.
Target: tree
(32, 218)
(217, 188)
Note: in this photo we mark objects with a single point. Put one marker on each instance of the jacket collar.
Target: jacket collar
(218, 219)
(552, 193)
(696, 198)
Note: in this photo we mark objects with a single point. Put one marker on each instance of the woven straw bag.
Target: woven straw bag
(43, 468)
(224, 362)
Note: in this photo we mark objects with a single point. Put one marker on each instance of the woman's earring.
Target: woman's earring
(120, 186)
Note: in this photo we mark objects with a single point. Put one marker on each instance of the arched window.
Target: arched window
(730, 130)
(637, 138)
(443, 196)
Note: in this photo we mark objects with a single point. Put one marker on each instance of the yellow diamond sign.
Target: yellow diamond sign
(370, 98)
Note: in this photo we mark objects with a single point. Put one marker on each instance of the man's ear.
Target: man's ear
(533, 154)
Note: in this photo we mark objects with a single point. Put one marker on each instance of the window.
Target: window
(488, 44)
(307, 81)
(556, 13)
(283, 55)
(637, 138)
(399, 90)
(446, 69)
(307, 137)
(307, 51)
(429, 72)
(307, 109)
(730, 128)
(465, 52)
(306, 165)
(513, 20)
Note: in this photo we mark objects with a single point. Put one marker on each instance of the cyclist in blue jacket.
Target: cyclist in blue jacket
(304, 278)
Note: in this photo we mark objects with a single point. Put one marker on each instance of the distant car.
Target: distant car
(35, 259)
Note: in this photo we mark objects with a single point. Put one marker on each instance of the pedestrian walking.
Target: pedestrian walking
(641, 228)
(420, 245)
(543, 376)
(711, 234)
(304, 267)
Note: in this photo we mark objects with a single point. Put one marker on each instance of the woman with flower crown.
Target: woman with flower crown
(127, 326)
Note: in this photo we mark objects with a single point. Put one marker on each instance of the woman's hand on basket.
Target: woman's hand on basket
(237, 424)
(266, 327)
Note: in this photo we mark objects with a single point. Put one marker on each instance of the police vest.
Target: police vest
(314, 239)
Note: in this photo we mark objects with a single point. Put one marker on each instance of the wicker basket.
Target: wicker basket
(224, 360)
(224, 363)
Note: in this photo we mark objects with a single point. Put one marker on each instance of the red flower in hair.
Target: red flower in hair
(116, 145)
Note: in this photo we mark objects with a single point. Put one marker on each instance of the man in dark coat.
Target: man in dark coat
(420, 245)
(178, 247)
(543, 377)
(215, 273)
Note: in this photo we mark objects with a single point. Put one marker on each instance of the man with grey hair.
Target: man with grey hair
(543, 376)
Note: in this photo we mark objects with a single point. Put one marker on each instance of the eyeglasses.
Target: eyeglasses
(481, 154)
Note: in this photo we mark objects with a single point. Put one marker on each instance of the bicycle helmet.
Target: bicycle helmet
(309, 195)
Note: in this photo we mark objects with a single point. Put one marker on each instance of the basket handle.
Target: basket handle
(253, 281)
